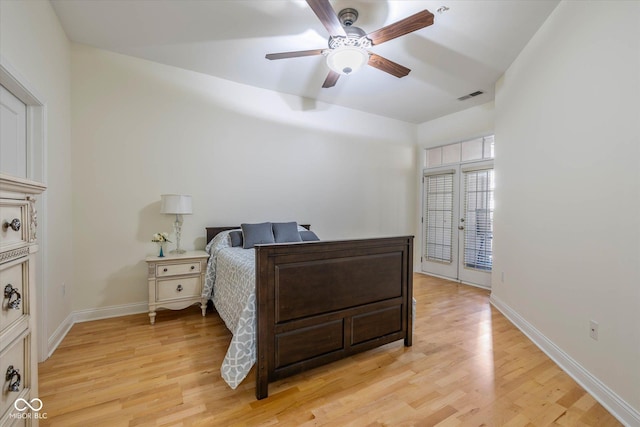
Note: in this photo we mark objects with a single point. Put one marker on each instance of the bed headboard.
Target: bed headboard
(214, 231)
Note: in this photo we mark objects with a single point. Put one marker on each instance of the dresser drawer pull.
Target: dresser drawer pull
(11, 374)
(179, 288)
(193, 267)
(165, 269)
(10, 292)
(14, 225)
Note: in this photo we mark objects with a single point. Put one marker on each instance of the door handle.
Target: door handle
(461, 227)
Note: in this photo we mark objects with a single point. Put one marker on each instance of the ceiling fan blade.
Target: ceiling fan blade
(402, 27)
(331, 79)
(327, 16)
(388, 66)
(295, 54)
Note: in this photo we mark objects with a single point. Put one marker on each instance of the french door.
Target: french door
(458, 222)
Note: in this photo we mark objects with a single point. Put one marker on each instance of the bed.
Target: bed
(295, 306)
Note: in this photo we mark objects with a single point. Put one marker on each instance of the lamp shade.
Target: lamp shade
(175, 204)
(347, 59)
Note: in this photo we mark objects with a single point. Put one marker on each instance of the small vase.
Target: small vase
(161, 254)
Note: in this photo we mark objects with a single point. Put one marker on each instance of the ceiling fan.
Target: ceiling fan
(348, 45)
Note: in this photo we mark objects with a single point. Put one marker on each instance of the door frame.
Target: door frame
(462, 273)
(19, 86)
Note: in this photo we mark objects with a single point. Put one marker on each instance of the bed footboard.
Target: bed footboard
(322, 301)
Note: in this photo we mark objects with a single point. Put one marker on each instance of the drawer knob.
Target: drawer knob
(10, 292)
(179, 288)
(193, 267)
(14, 225)
(165, 269)
(10, 375)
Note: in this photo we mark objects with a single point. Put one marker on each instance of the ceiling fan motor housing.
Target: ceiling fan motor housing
(348, 16)
(356, 37)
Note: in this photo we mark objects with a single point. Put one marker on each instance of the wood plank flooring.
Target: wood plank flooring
(468, 366)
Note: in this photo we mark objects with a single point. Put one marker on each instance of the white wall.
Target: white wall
(245, 154)
(567, 235)
(463, 125)
(33, 42)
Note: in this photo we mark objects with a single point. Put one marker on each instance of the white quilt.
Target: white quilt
(231, 283)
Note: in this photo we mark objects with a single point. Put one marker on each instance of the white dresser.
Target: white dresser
(19, 403)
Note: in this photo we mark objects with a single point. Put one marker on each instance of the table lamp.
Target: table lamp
(178, 205)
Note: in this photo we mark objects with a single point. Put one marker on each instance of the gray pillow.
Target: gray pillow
(308, 236)
(236, 238)
(286, 232)
(254, 234)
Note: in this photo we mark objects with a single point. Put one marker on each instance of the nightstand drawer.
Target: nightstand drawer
(13, 283)
(177, 269)
(186, 287)
(13, 226)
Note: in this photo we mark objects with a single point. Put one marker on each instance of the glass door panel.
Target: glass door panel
(477, 227)
(440, 212)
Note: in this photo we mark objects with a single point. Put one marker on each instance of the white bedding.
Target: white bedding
(231, 283)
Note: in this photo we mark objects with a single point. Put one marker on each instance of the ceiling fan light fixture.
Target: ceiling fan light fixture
(347, 60)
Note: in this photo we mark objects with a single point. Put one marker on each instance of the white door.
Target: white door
(440, 220)
(475, 225)
(458, 223)
(13, 134)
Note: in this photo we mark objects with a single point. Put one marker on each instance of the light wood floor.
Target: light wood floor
(468, 366)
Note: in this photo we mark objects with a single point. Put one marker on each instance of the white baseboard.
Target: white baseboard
(107, 312)
(58, 335)
(475, 285)
(603, 394)
(89, 315)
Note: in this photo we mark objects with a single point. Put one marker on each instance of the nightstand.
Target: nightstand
(175, 281)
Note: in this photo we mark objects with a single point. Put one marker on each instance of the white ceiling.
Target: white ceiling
(466, 49)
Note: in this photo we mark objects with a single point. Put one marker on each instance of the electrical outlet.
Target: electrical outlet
(593, 330)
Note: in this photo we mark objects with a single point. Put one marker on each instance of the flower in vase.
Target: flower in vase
(161, 237)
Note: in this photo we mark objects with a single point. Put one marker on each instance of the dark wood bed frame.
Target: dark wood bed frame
(318, 302)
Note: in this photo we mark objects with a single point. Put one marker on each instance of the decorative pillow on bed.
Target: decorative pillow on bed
(308, 236)
(284, 232)
(254, 234)
(236, 238)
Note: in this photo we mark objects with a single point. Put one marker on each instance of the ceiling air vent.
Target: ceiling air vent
(471, 95)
